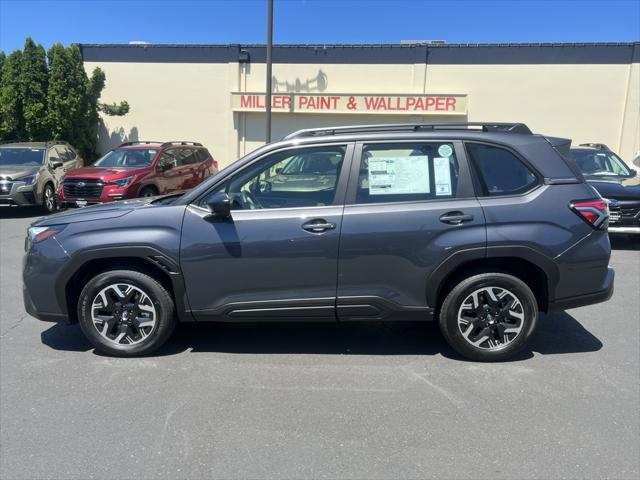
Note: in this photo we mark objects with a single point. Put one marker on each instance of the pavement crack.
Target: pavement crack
(4, 334)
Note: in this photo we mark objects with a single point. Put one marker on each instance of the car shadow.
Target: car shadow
(557, 333)
(620, 242)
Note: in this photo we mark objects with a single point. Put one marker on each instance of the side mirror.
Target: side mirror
(220, 205)
(56, 163)
(279, 170)
(633, 172)
(163, 167)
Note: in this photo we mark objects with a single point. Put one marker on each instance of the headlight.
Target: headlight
(121, 182)
(29, 179)
(38, 234)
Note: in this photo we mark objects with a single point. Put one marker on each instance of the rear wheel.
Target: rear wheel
(489, 317)
(126, 313)
(48, 198)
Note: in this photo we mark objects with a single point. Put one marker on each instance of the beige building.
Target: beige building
(214, 94)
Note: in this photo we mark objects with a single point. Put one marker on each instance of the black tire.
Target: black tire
(148, 192)
(498, 345)
(49, 199)
(158, 298)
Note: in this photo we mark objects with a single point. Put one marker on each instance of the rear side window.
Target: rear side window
(500, 171)
(407, 172)
(201, 155)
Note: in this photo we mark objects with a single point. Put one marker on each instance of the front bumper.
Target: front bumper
(599, 296)
(18, 194)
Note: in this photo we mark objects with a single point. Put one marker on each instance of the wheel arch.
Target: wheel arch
(143, 259)
(149, 185)
(535, 269)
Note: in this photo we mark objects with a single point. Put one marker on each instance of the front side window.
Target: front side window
(600, 164)
(302, 177)
(404, 172)
(124, 157)
(21, 156)
(500, 171)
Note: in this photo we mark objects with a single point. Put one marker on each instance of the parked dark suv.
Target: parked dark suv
(477, 226)
(30, 172)
(616, 182)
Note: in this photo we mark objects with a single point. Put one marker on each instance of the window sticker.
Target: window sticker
(445, 151)
(442, 174)
(398, 175)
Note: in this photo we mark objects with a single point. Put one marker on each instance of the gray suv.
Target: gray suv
(30, 172)
(476, 226)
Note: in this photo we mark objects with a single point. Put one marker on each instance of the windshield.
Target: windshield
(127, 158)
(599, 163)
(21, 156)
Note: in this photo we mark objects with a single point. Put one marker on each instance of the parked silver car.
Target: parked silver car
(30, 172)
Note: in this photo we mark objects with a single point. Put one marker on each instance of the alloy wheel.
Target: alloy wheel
(490, 318)
(123, 314)
(49, 201)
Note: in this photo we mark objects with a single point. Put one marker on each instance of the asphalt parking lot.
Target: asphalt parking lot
(320, 401)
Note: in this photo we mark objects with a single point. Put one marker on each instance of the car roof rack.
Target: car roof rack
(600, 146)
(412, 127)
(140, 142)
(181, 142)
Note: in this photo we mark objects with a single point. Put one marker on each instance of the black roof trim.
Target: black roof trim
(451, 54)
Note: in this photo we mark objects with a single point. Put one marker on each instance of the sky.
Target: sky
(317, 21)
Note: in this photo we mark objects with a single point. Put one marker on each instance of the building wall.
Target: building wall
(592, 97)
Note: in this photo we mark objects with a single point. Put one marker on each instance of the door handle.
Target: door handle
(318, 225)
(456, 218)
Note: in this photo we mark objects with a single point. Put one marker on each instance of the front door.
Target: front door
(410, 205)
(277, 256)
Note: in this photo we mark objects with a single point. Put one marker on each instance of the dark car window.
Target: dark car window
(124, 157)
(189, 156)
(303, 177)
(402, 172)
(171, 158)
(70, 155)
(202, 155)
(600, 163)
(501, 172)
(21, 156)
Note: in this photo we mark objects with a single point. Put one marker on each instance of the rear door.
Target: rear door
(410, 205)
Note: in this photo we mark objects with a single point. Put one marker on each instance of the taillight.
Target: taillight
(594, 212)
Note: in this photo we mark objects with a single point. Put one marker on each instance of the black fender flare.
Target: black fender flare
(459, 258)
(147, 253)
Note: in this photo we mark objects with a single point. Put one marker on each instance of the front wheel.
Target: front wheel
(48, 199)
(489, 317)
(126, 313)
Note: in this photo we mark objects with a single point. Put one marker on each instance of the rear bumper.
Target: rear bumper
(621, 229)
(588, 299)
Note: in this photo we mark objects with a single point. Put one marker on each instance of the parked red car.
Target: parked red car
(137, 169)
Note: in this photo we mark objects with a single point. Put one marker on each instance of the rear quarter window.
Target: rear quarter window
(500, 172)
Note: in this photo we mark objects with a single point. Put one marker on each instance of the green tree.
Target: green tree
(2, 58)
(11, 119)
(67, 97)
(33, 80)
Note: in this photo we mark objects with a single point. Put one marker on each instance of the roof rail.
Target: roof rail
(181, 142)
(600, 146)
(141, 142)
(412, 127)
